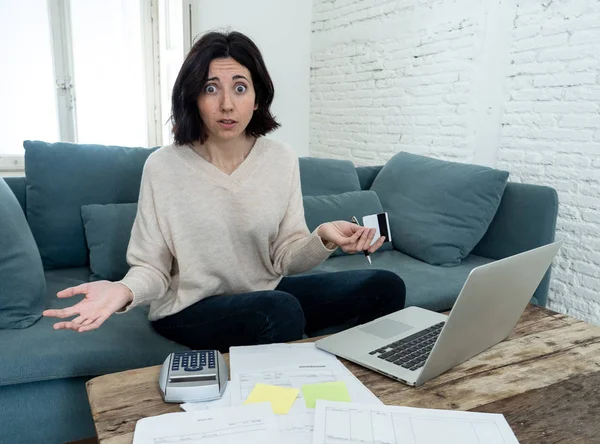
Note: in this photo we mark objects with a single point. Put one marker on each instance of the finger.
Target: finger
(97, 323)
(72, 291)
(66, 326)
(355, 237)
(350, 241)
(61, 313)
(360, 240)
(362, 244)
(377, 245)
(370, 242)
(369, 239)
(89, 321)
(79, 320)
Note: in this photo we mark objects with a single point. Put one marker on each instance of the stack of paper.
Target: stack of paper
(272, 396)
(293, 366)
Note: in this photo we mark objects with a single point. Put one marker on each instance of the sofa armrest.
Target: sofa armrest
(526, 219)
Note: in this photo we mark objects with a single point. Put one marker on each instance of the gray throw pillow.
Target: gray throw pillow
(321, 209)
(107, 232)
(22, 281)
(438, 210)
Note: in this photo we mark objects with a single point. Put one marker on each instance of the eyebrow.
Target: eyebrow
(236, 77)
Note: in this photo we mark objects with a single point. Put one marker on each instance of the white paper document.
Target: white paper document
(258, 357)
(291, 366)
(296, 428)
(351, 423)
(253, 423)
(243, 382)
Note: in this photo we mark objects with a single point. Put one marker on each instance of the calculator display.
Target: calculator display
(195, 378)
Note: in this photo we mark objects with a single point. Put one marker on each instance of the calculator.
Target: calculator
(193, 376)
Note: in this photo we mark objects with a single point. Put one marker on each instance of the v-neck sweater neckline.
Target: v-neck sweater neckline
(231, 181)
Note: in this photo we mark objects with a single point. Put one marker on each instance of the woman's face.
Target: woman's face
(226, 103)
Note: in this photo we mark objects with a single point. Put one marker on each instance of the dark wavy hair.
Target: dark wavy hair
(187, 124)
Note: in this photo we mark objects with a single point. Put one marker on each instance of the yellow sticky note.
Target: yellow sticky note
(281, 398)
(330, 391)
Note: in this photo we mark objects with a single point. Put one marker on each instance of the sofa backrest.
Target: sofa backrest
(322, 177)
(17, 185)
(61, 178)
(367, 174)
(526, 217)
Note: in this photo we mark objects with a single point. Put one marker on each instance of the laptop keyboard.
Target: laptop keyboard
(410, 352)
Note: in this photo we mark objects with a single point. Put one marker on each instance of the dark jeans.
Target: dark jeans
(298, 304)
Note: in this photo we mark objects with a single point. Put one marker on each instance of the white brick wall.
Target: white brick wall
(409, 87)
(550, 134)
(447, 78)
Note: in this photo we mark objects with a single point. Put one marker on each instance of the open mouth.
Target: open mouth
(227, 121)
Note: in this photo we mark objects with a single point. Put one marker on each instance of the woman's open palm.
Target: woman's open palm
(102, 299)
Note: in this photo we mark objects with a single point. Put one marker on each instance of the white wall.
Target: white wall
(550, 133)
(282, 31)
(393, 75)
(513, 84)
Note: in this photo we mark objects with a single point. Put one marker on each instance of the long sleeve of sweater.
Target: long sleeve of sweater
(148, 254)
(296, 249)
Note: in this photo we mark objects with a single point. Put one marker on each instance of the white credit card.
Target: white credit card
(381, 223)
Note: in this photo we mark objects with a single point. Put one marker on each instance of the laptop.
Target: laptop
(415, 345)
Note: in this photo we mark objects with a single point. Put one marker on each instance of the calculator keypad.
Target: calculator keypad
(194, 360)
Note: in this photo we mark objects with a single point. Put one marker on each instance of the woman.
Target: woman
(220, 221)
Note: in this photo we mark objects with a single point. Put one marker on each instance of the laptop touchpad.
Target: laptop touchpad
(386, 328)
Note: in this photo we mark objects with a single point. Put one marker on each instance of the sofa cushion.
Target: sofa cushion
(427, 286)
(22, 283)
(61, 177)
(123, 342)
(438, 210)
(327, 176)
(320, 209)
(107, 232)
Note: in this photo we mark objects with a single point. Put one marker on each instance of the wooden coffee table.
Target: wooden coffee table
(545, 379)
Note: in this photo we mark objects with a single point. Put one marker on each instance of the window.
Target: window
(79, 71)
(28, 109)
(109, 76)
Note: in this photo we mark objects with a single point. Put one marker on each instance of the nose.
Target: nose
(226, 102)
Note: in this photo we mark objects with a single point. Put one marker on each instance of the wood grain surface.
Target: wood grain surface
(544, 378)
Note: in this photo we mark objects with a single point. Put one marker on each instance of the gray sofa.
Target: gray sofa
(43, 372)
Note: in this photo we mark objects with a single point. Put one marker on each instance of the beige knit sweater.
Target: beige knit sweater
(199, 232)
